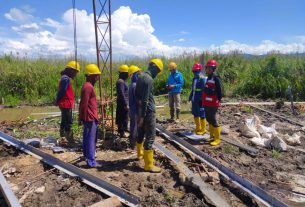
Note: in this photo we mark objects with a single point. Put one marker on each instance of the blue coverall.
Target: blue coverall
(196, 96)
(133, 110)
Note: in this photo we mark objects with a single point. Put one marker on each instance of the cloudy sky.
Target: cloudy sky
(144, 27)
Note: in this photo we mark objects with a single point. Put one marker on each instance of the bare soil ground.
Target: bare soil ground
(279, 173)
(36, 184)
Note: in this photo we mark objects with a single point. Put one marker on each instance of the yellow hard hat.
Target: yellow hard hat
(172, 65)
(158, 62)
(133, 69)
(74, 65)
(124, 69)
(92, 69)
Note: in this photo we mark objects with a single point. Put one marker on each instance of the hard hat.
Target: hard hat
(74, 65)
(197, 67)
(123, 69)
(158, 62)
(172, 65)
(92, 69)
(211, 63)
(133, 69)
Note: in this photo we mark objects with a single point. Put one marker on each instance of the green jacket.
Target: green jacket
(144, 94)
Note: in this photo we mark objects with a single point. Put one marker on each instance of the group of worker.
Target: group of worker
(136, 103)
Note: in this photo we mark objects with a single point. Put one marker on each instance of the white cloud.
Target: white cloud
(33, 27)
(50, 23)
(132, 35)
(18, 15)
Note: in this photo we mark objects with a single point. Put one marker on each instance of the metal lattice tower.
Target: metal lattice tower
(102, 22)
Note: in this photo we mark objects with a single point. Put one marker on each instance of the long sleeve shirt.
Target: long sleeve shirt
(122, 92)
(88, 110)
(63, 85)
(144, 94)
(177, 80)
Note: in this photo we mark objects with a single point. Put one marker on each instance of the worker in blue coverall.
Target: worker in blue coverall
(133, 73)
(196, 98)
(174, 86)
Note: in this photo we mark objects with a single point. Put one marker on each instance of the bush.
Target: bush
(35, 81)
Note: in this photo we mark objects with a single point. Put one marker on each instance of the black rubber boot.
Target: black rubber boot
(172, 114)
(69, 137)
(177, 113)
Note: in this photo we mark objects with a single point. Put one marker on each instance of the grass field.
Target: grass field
(35, 81)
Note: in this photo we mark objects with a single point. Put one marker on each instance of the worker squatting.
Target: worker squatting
(136, 103)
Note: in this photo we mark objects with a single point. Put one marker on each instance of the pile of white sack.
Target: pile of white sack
(267, 136)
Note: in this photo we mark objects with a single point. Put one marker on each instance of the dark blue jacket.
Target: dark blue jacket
(196, 93)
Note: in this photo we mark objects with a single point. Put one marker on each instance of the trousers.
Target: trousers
(89, 142)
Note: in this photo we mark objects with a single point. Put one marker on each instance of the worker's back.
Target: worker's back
(144, 93)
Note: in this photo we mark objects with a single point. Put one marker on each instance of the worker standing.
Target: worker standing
(195, 97)
(88, 114)
(211, 98)
(133, 73)
(174, 86)
(65, 100)
(122, 106)
(146, 113)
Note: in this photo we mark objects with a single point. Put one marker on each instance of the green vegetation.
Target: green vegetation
(229, 149)
(35, 81)
(275, 154)
(247, 109)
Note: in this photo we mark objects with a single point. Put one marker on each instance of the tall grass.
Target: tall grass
(35, 81)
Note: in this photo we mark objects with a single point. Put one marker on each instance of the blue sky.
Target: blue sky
(169, 27)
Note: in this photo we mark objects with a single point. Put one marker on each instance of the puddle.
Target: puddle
(21, 113)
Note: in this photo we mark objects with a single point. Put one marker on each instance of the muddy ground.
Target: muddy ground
(279, 173)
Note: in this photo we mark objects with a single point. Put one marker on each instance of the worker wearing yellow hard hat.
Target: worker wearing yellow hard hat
(88, 114)
(134, 72)
(65, 100)
(122, 106)
(146, 114)
(174, 86)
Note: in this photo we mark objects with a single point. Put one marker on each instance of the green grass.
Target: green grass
(229, 149)
(247, 109)
(275, 154)
(35, 81)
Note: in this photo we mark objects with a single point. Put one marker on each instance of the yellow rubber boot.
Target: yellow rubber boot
(198, 126)
(140, 150)
(149, 162)
(216, 141)
(211, 129)
(203, 123)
